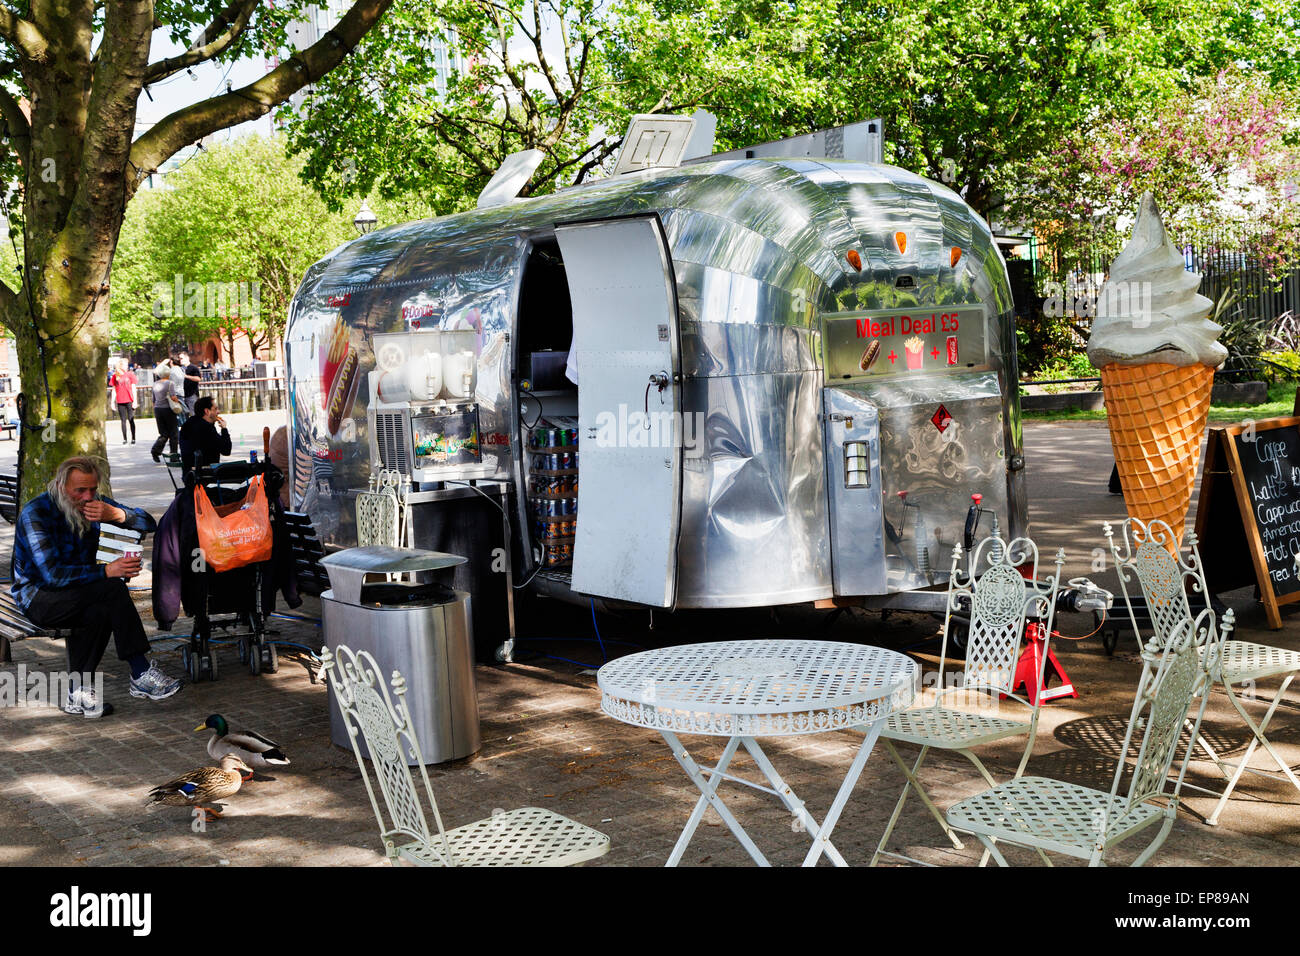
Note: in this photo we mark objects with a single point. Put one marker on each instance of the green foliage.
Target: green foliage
(393, 120)
(1042, 340)
(1243, 335)
(10, 248)
(975, 95)
(1280, 366)
(234, 213)
(1284, 333)
(1221, 157)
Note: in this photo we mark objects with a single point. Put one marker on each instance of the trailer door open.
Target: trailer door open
(625, 343)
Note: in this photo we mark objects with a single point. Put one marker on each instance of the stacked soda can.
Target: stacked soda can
(553, 490)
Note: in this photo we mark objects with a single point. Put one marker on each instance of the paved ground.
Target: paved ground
(72, 791)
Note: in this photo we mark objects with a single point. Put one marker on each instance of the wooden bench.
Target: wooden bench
(10, 429)
(9, 498)
(14, 626)
(307, 552)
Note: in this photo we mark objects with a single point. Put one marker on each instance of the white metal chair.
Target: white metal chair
(1052, 816)
(529, 836)
(384, 516)
(1151, 555)
(1000, 600)
(379, 513)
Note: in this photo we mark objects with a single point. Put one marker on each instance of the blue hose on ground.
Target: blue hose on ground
(297, 617)
(577, 640)
(301, 647)
(603, 655)
(552, 657)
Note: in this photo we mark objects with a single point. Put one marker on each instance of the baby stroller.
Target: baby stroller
(236, 602)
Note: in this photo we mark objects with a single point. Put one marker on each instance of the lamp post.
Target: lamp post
(365, 220)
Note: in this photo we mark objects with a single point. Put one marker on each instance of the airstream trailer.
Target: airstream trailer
(738, 383)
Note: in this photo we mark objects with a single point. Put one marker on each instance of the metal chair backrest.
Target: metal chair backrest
(377, 517)
(1188, 658)
(1000, 600)
(383, 722)
(1151, 555)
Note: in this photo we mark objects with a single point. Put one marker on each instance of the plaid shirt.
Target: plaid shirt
(48, 553)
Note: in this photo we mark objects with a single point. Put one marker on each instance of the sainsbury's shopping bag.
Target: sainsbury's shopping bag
(235, 534)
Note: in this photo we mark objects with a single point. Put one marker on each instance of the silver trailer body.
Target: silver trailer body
(791, 374)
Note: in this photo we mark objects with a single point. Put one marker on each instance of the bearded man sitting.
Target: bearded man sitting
(58, 584)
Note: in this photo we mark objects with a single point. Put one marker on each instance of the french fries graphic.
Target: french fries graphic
(913, 347)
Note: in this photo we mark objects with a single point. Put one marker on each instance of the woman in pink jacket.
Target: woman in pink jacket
(124, 382)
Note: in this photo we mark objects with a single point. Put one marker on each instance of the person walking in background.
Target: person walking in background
(124, 391)
(177, 375)
(163, 396)
(192, 377)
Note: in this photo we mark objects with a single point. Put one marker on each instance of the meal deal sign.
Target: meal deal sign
(859, 344)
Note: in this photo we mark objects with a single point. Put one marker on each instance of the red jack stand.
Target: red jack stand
(1027, 669)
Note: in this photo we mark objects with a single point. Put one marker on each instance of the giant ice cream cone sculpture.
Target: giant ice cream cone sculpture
(1157, 351)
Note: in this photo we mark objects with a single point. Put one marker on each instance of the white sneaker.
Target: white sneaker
(154, 684)
(84, 701)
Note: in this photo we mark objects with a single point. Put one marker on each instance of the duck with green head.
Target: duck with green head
(254, 749)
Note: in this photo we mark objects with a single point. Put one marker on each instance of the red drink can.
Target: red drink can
(952, 350)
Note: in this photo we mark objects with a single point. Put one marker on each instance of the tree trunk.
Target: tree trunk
(74, 367)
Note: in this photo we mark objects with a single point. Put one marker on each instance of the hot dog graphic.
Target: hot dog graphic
(870, 355)
(343, 392)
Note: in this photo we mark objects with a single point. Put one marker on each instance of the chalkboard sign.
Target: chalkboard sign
(1248, 515)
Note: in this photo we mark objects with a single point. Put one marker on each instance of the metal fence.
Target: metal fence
(1224, 263)
(233, 395)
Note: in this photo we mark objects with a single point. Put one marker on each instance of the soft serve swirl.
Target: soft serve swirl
(1148, 310)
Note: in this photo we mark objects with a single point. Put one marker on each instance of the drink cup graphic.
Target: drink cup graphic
(913, 348)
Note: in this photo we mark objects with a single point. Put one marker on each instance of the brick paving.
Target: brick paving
(72, 791)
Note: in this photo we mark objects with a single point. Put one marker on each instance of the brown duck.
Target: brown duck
(203, 786)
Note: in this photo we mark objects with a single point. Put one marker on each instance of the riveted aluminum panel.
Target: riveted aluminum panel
(856, 517)
(754, 519)
(938, 470)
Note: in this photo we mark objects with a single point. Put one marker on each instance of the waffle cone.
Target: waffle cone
(1157, 415)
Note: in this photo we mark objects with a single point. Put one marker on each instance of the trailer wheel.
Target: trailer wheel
(958, 634)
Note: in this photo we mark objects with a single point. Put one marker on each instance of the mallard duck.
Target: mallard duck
(254, 749)
(205, 785)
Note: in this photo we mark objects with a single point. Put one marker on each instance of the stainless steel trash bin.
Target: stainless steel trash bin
(421, 629)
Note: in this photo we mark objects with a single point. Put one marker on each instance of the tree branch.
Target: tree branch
(18, 129)
(24, 35)
(224, 30)
(115, 87)
(257, 99)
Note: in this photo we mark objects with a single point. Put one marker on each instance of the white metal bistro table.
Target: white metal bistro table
(761, 688)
